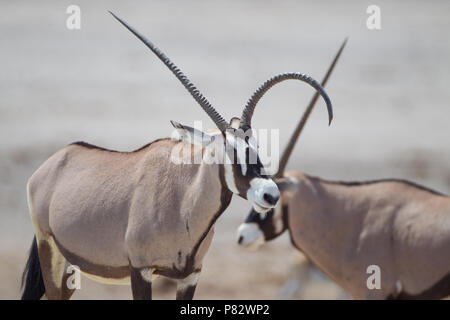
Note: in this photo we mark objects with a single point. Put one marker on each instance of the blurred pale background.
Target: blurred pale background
(100, 85)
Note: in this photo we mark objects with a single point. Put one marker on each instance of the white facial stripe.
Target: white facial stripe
(252, 236)
(241, 151)
(228, 167)
(229, 178)
(240, 147)
(253, 145)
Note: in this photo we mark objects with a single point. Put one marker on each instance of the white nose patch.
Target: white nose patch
(258, 188)
(250, 236)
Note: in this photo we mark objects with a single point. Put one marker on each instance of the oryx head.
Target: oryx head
(259, 228)
(244, 172)
(236, 151)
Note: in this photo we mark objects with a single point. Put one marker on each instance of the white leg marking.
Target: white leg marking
(147, 274)
(189, 281)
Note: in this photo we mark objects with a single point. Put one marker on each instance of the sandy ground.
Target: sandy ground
(99, 84)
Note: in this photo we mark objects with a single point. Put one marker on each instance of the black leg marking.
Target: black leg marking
(141, 288)
(186, 293)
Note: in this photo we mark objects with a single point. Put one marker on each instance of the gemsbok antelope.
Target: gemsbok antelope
(345, 227)
(126, 217)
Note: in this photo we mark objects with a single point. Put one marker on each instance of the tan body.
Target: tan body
(110, 211)
(344, 228)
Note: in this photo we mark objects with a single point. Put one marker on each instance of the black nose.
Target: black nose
(240, 239)
(271, 199)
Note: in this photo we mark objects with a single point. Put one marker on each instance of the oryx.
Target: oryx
(349, 229)
(126, 217)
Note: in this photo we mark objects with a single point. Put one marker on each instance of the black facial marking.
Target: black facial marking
(254, 167)
(266, 224)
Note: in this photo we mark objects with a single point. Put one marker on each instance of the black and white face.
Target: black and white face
(244, 172)
(259, 228)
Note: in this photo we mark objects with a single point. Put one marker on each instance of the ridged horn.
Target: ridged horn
(247, 114)
(196, 94)
(292, 141)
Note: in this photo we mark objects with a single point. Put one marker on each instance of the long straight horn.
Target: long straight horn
(201, 100)
(247, 114)
(287, 152)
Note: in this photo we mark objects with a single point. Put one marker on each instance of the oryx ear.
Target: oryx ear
(192, 135)
(288, 186)
(235, 122)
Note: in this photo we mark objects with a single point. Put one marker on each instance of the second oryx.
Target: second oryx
(350, 229)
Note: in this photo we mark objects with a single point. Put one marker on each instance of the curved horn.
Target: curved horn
(201, 100)
(257, 95)
(287, 152)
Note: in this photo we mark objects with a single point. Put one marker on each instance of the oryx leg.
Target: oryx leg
(141, 283)
(53, 267)
(186, 287)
